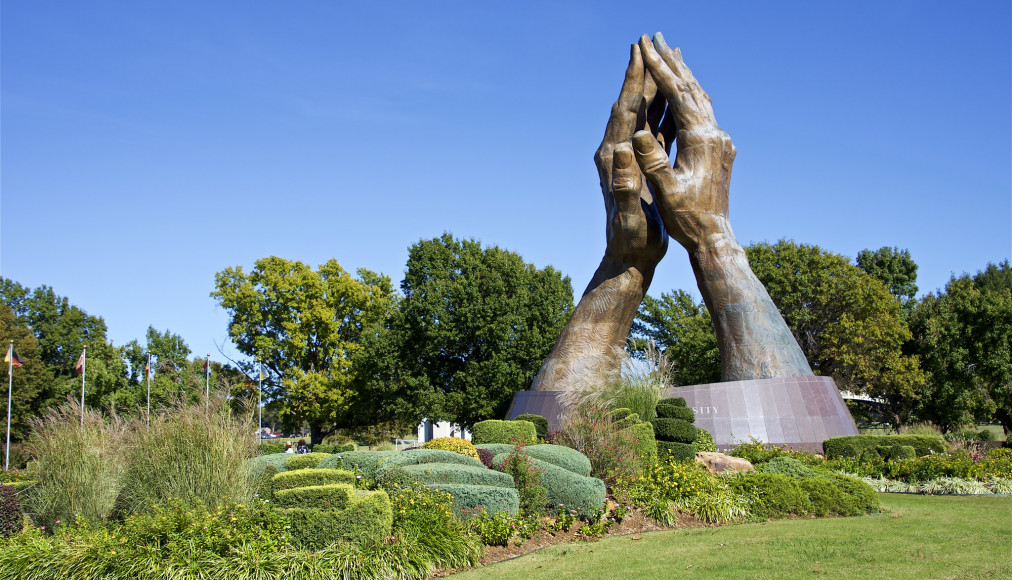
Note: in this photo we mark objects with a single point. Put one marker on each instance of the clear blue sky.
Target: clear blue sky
(148, 145)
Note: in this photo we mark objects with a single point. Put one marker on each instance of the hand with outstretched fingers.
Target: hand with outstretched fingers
(692, 198)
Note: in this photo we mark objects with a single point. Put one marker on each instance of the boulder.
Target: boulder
(719, 463)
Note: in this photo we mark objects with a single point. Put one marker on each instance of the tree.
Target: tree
(305, 326)
(964, 336)
(173, 374)
(472, 329)
(894, 268)
(684, 332)
(31, 381)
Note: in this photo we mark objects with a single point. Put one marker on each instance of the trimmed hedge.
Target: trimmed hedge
(311, 476)
(331, 449)
(669, 411)
(620, 413)
(628, 421)
(857, 445)
(495, 448)
(366, 461)
(677, 451)
(540, 423)
(574, 491)
(305, 460)
(646, 443)
(561, 456)
(898, 452)
(776, 495)
(270, 448)
(788, 466)
(275, 460)
(704, 441)
(678, 401)
(460, 474)
(423, 456)
(494, 431)
(368, 518)
(333, 496)
(467, 498)
(676, 430)
(453, 444)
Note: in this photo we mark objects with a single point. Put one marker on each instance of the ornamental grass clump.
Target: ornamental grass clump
(78, 468)
(194, 452)
(611, 451)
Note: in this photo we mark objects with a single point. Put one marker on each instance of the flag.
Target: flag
(147, 371)
(207, 366)
(80, 363)
(12, 357)
(262, 377)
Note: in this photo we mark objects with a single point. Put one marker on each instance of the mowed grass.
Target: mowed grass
(918, 537)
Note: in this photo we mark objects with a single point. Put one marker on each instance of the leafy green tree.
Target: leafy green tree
(682, 329)
(31, 381)
(848, 324)
(894, 268)
(174, 375)
(472, 329)
(305, 326)
(964, 336)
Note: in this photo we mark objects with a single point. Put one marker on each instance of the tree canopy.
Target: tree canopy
(682, 329)
(305, 326)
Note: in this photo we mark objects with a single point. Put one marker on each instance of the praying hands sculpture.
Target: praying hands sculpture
(647, 199)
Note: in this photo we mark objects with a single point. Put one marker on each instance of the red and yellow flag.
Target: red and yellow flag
(12, 357)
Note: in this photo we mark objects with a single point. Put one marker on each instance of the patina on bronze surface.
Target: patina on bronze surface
(647, 198)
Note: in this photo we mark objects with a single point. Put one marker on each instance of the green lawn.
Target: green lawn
(918, 537)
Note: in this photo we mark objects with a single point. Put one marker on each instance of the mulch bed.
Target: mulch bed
(634, 523)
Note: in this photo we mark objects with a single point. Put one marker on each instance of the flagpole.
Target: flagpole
(84, 364)
(10, 390)
(147, 375)
(207, 381)
(260, 404)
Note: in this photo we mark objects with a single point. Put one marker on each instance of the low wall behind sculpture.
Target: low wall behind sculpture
(799, 412)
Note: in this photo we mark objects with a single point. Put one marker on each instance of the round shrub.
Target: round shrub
(495, 448)
(628, 421)
(493, 431)
(677, 401)
(335, 496)
(311, 476)
(985, 435)
(574, 491)
(898, 452)
(828, 498)
(485, 456)
(776, 495)
(450, 473)
(423, 456)
(364, 461)
(561, 456)
(468, 498)
(454, 444)
(676, 412)
(862, 498)
(787, 466)
(620, 413)
(676, 451)
(368, 518)
(305, 460)
(275, 460)
(12, 519)
(704, 441)
(540, 423)
(674, 430)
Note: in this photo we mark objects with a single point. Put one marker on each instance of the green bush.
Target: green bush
(576, 492)
(495, 448)
(898, 452)
(368, 518)
(676, 430)
(862, 498)
(312, 476)
(676, 451)
(787, 466)
(468, 498)
(620, 413)
(677, 401)
(424, 456)
(832, 495)
(494, 431)
(332, 449)
(305, 460)
(561, 456)
(263, 482)
(526, 478)
(269, 448)
(704, 441)
(364, 461)
(540, 423)
(645, 442)
(454, 445)
(985, 435)
(669, 411)
(331, 496)
(452, 473)
(276, 460)
(628, 421)
(774, 495)
(857, 445)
